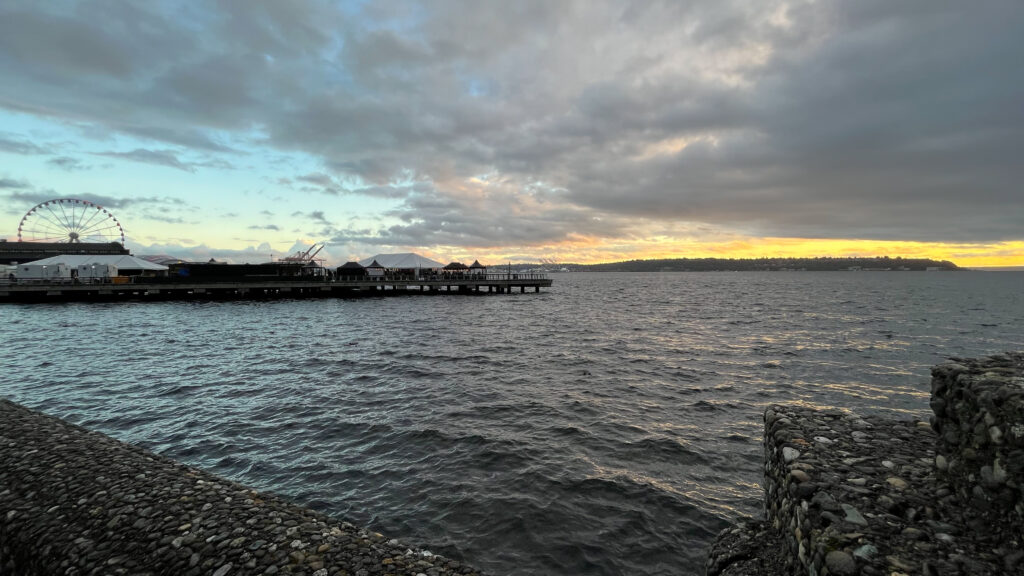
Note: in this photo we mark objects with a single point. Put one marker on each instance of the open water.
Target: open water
(608, 425)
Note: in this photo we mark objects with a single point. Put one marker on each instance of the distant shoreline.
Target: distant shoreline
(825, 264)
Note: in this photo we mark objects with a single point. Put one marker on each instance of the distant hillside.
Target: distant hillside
(758, 264)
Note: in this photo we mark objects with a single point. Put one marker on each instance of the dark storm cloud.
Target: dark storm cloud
(790, 118)
(901, 126)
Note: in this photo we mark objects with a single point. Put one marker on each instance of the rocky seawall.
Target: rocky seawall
(76, 502)
(847, 495)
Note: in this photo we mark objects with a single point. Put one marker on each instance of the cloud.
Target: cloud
(197, 252)
(520, 123)
(166, 219)
(318, 178)
(12, 184)
(315, 215)
(273, 227)
(68, 163)
(13, 144)
(32, 197)
(166, 158)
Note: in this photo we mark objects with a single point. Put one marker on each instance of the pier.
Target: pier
(170, 288)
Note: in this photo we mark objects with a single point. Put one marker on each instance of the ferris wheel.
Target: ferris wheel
(69, 220)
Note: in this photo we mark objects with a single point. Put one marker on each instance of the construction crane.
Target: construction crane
(305, 256)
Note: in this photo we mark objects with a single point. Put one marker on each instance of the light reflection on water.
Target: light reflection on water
(611, 425)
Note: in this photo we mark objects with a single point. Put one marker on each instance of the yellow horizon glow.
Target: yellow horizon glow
(601, 250)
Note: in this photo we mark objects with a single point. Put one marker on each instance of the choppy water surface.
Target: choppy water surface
(609, 425)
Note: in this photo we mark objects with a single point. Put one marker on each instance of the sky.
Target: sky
(569, 131)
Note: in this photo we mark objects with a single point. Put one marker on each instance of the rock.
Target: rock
(825, 501)
(1012, 560)
(799, 475)
(223, 570)
(897, 483)
(995, 434)
(999, 475)
(789, 454)
(853, 516)
(913, 534)
(865, 552)
(840, 563)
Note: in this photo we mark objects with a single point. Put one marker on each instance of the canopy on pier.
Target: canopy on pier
(124, 262)
(161, 259)
(352, 268)
(406, 261)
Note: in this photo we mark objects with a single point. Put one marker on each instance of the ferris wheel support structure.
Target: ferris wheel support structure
(69, 220)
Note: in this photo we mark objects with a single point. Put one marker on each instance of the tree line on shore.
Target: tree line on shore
(759, 264)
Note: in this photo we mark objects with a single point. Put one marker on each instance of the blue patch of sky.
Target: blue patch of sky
(475, 87)
(198, 198)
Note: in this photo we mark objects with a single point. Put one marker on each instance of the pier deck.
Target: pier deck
(183, 289)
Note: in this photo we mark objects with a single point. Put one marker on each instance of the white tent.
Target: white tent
(124, 262)
(405, 261)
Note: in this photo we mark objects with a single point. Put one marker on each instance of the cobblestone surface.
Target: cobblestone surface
(848, 495)
(979, 419)
(77, 502)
